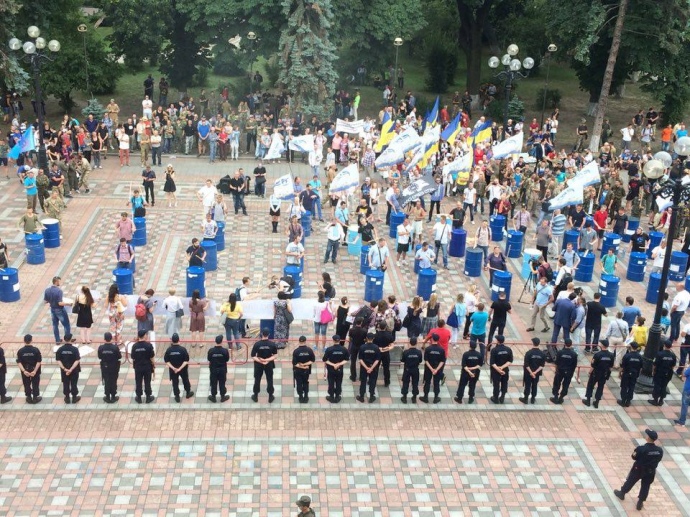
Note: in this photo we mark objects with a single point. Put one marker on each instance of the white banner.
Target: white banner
(346, 179)
(302, 143)
(277, 148)
(406, 140)
(389, 157)
(461, 164)
(568, 196)
(589, 175)
(343, 126)
(283, 188)
(512, 145)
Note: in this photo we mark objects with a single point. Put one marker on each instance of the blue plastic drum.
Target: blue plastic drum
(687, 283)
(354, 240)
(514, 244)
(570, 236)
(306, 223)
(397, 218)
(611, 240)
(123, 278)
(473, 262)
(458, 242)
(196, 279)
(653, 288)
(636, 266)
(35, 249)
(502, 282)
(633, 224)
(9, 285)
(295, 272)
(654, 241)
(373, 285)
(585, 268)
(51, 233)
(527, 256)
(220, 236)
(497, 224)
(608, 287)
(139, 237)
(426, 283)
(211, 263)
(678, 267)
(363, 259)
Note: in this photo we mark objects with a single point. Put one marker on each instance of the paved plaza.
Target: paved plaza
(245, 459)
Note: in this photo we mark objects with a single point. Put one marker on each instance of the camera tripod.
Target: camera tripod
(530, 286)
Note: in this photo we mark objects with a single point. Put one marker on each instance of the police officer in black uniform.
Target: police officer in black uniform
(631, 365)
(264, 353)
(177, 360)
(369, 360)
(218, 358)
(143, 357)
(662, 372)
(411, 359)
(384, 340)
(434, 361)
(302, 359)
(29, 360)
(599, 373)
(69, 360)
(336, 357)
(358, 334)
(500, 360)
(4, 399)
(566, 363)
(534, 363)
(647, 458)
(471, 368)
(109, 354)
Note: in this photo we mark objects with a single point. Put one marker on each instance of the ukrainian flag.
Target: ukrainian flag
(481, 133)
(430, 146)
(451, 130)
(433, 116)
(387, 132)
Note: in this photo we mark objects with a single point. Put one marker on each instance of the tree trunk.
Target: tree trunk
(473, 20)
(608, 76)
(474, 61)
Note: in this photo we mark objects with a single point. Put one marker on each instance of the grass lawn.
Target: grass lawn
(573, 101)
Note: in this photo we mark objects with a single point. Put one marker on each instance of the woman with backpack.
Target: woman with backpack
(143, 311)
(323, 315)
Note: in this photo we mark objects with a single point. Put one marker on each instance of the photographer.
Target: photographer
(541, 269)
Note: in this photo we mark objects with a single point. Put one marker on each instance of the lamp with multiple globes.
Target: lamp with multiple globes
(512, 67)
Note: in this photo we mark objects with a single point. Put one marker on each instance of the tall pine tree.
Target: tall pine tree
(307, 56)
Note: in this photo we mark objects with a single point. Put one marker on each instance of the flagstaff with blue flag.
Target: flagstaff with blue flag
(451, 130)
(387, 132)
(26, 143)
(433, 116)
(480, 133)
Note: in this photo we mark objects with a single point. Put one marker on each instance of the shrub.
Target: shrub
(553, 99)
(441, 64)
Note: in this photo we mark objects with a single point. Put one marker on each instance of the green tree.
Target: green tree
(308, 56)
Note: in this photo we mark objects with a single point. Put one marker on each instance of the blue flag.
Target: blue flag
(25, 144)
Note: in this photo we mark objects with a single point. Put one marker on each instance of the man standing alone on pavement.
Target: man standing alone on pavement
(53, 297)
(647, 458)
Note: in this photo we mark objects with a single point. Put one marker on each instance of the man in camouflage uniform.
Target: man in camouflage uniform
(83, 168)
(43, 184)
(54, 207)
(617, 196)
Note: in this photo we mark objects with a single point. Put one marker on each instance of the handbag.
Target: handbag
(223, 318)
(452, 320)
(179, 313)
(326, 315)
(289, 317)
(76, 308)
(406, 321)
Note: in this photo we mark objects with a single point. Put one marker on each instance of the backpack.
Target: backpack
(131, 251)
(365, 313)
(548, 273)
(326, 315)
(140, 311)
(238, 293)
(331, 292)
(567, 278)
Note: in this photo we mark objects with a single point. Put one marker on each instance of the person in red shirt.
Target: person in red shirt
(444, 116)
(443, 333)
(600, 217)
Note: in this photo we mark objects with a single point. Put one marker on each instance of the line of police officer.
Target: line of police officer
(336, 357)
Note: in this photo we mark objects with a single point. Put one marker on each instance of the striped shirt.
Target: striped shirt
(558, 224)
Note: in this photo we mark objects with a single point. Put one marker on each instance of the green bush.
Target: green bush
(553, 99)
(441, 64)
(227, 64)
(272, 67)
(494, 111)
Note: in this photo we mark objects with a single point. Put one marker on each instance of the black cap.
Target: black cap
(652, 434)
(536, 341)
(604, 343)
(501, 338)
(108, 336)
(219, 339)
(336, 337)
(141, 333)
(175, 338)
(568, 342)
(303, 339)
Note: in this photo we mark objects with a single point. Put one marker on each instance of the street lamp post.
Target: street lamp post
(511, 72)
(397, 42)
(251, 37)
(83, 29)
(678, 191)
(551, 49)
(34, 53)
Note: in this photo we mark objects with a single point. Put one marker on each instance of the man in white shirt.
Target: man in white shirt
(425, 255)
(379, 255)
(658, 255)
(678, 307)
(628, 132)
(207, 196)
(210, 228)
(147, 107)
(335, 233)
(294, 251)
(403, 239)
(495, 191)
(442, 231)
(469, 199)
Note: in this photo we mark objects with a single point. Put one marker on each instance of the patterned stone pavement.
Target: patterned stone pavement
(381, 459)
